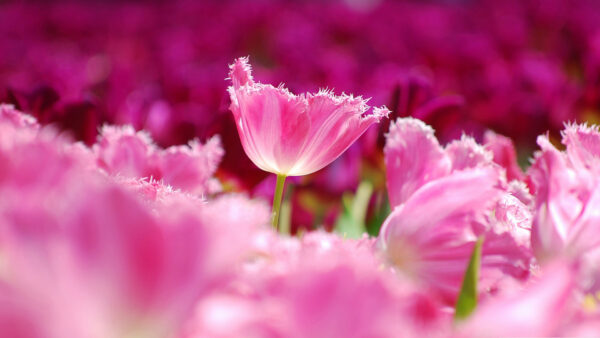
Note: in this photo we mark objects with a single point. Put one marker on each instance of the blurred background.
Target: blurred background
(517, 67)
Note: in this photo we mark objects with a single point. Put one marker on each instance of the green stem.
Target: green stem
(277, 200)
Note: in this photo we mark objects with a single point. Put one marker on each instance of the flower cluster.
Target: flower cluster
(124, 238)
(159, 66)
(134, 169)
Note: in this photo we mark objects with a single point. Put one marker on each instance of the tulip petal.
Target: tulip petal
(413, 157)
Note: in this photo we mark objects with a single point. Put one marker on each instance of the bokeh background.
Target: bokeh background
(518, 67)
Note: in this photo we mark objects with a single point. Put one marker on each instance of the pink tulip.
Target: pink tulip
(567, 201)
(294, 135)
(302, 287)
(122, 151)
(566, 221)
(443, 200)
(16, 118)
(504, 154)
(86, 254)
(537, 310)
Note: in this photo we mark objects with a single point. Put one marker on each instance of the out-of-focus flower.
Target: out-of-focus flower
(122, 151)
(301, 287)
(567, 199)
(293, 135)
(504, 154)
(566, 222)
(540, 309)
(90, 255)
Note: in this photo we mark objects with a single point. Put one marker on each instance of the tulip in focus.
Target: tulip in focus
(294, 135)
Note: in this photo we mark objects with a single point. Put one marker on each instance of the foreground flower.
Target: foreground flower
(302, 287)
(443, 200)
(85, 254)
(566, 222)
(538, 310)
(567, 200)
(294, 135)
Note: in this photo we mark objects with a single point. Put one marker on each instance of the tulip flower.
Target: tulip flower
(294, 135)
(121, 151)
(85, 254)
(442, 198)
(567, 199)
(537, 310)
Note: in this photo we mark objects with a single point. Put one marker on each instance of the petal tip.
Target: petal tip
(405, 125)
(240, 72)
(381, 112)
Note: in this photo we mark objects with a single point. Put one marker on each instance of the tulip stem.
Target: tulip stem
(277, 200)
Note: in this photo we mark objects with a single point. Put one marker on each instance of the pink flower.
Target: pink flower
(504, 154)
(443, 200)
(90, 255)
(294, 135)
(537, 310)
(124, 152)
(566, 223)
(18, 119)
(302, 287)
(567, 194)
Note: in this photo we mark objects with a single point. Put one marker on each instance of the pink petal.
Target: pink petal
(536, 311)
(413, 157)
(583, 146)
(191, 167)
(505, 154)
(240, 73)
(123, 151)
(514, 217)
(556, 202)
(10, 114)
(432, 235)
(466, 153)
(336, 123)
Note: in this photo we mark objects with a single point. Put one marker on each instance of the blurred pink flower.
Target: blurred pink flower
(302, 287)
(16, 118)
(538, 310)
(504, 154)
(566, 223)
(123, 151)
(292, 135)
(90, 255)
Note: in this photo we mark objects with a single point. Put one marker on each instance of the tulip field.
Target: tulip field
(265, 169)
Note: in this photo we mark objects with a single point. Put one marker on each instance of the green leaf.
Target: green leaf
(351, 222)
(467, 298)
(382, 210)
